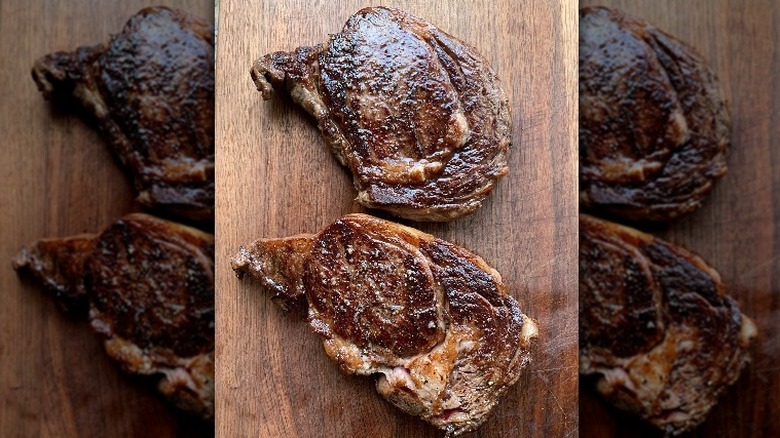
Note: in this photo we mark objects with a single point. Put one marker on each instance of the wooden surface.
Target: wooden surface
(738, 230)
(60, 179)
(276, 177)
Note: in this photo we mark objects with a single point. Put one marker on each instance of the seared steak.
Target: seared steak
(151, 91)
(148, 286)
(416, 115)
(654, 126)
(430, 319)
(657, 331)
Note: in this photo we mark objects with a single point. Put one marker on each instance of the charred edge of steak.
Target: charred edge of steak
(62, 75)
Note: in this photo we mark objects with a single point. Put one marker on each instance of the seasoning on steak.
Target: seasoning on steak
(654, 125)
(416, 115)
(657, 330)
(150, 90)
(430, 319)
(148, 287)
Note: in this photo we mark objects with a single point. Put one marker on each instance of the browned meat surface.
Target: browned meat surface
(148, 285)
(150, 90)
(431, 320)
(654, 126)
(416, 115)
(658, 333)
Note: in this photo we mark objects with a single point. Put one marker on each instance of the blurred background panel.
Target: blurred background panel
(60, 179)
(738, 229)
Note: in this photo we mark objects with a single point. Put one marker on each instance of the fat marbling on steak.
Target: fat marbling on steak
(654, 125)
(658, 332)
(147, 285)
(416, 115)
(431, 320)
(150, 90)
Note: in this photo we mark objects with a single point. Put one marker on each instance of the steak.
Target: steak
(416, 115)
(658, 333)
(150, 90)
(148, 287)
(431, 320)
(654, 125)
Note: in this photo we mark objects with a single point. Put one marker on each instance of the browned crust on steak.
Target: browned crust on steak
(657, 329)
(430, 319)
(654, 125)
(416, 115)
(150, 90)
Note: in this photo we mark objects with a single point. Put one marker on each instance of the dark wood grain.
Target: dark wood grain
(59, 179)
(737, 231)
(276, 177)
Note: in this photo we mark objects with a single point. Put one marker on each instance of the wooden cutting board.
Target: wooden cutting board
(276, 177)
(59, 179)
(738, 230)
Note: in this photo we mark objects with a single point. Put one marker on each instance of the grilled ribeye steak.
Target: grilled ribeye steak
(657, 330)
(150, 90)
(431, 319)
(654, 125)
(416, 115)
(148, 287)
